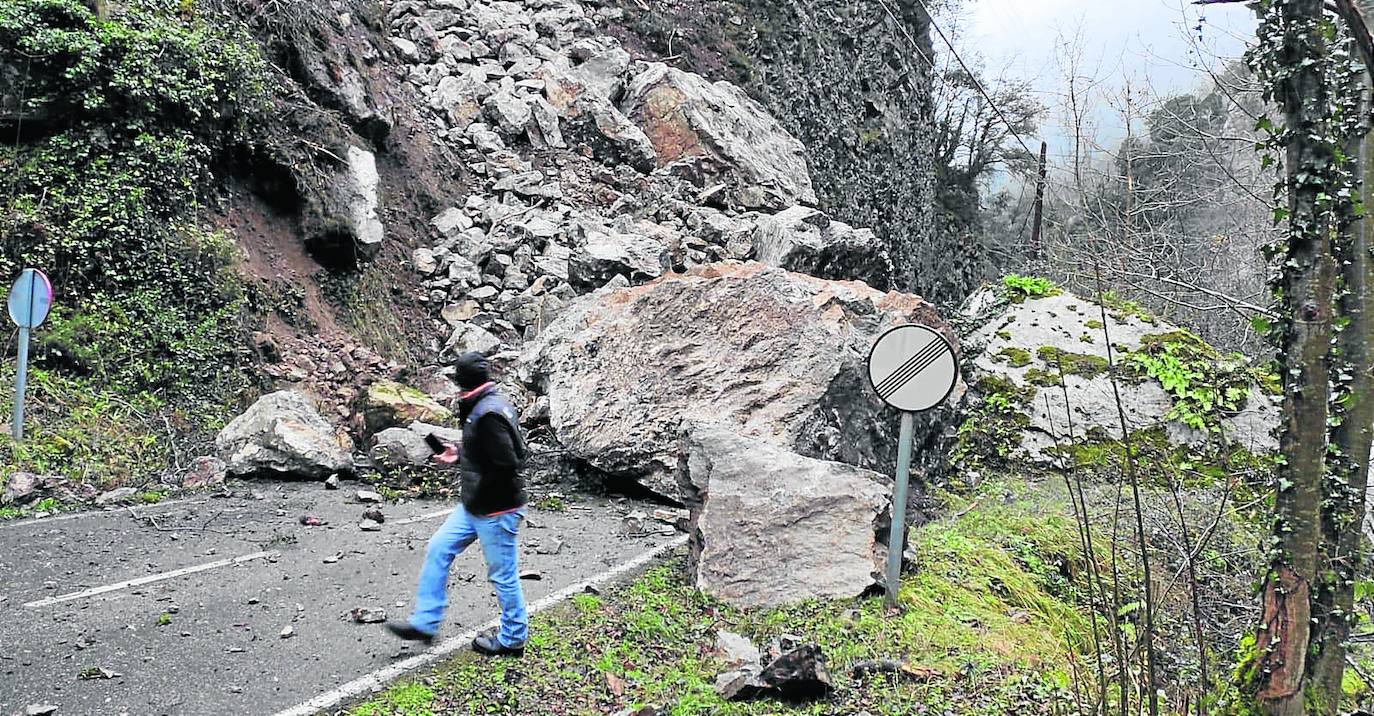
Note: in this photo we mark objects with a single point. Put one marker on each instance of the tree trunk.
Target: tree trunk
(1353, 376)
(1305, 307)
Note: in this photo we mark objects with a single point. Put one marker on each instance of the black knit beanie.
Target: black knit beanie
(473, 370)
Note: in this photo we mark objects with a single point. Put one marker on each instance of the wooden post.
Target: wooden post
(1039, 205)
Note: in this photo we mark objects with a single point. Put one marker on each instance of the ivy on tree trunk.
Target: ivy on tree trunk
(1323, 290)
(1304, 290)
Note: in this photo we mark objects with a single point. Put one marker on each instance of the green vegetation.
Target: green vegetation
(552, 502)
(1015, 357)
(993, 428)
(992, 616)
(76, 429)
(164, 619)
(1057, 361)
(409, 699)
(1019, 288)
(1204, 385)
(104, 192)
(1122, 309)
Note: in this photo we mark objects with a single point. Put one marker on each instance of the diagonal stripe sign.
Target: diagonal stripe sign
(912, 368)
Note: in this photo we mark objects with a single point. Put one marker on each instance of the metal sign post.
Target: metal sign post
(912, 368)
(30, 300)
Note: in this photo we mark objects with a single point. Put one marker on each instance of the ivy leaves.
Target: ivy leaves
(1204, 386)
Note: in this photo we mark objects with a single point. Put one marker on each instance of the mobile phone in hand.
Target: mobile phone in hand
(435, 443)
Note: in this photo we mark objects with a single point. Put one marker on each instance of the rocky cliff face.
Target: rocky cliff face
(851, 80)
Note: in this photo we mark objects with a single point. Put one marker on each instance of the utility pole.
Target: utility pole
(1039, 205)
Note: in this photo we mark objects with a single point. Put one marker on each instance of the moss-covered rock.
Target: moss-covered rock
(388, 404)
(1041, 363)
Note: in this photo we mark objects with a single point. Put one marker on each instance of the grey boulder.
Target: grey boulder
(282, 434)
(602, 253)
(686, 116)
(400, 447)
(768, 527)
(805, 240)
(778, 355)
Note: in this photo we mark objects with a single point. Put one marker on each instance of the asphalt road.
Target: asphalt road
(185, 613)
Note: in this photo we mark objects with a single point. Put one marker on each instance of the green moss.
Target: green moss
(551, 503)
(1122, 309)
(992, 614)
(1080, 364)
(870, 135)
(151, 497)
(1004, 335)
(411, 699)
(1093, 324)
(1015, 357)
(1019, 288)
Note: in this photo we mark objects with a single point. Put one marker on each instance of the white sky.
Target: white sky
(1155, 44)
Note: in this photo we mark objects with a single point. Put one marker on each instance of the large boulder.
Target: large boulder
(687, 116)
(1023, 341)
(598, 68)
(769, 527)
(343, 225)
(400, 447)
(582, 89)
(779, 355)
(386, 404)
(612, 137)
(805, 240)
(282, 434)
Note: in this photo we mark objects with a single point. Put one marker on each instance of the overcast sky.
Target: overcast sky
(1153, 43)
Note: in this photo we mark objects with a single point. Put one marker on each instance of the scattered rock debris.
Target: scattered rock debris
(98, 672)
(367, 615)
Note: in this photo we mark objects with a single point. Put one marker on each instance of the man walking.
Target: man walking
(492, 506)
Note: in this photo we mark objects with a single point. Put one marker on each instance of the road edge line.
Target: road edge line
(378, 680)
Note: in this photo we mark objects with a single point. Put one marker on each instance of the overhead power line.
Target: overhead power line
(977, 84)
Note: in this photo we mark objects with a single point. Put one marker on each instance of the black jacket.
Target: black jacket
(493, 454)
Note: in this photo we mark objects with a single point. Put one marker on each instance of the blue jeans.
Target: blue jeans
(498, 538)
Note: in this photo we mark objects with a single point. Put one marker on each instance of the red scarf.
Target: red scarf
(476, 390)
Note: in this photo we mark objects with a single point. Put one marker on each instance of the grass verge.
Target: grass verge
(991, 612)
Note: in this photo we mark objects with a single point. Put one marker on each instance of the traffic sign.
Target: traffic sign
(912, 368)
(30, 301)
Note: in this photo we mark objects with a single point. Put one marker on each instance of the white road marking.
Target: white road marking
(422, 518)
(184, 502)
(94, 591)
(377, 680)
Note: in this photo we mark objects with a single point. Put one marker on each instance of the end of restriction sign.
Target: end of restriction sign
(913, 368)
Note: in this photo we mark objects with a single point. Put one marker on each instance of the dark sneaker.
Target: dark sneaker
(405, 631)
(489, 645)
